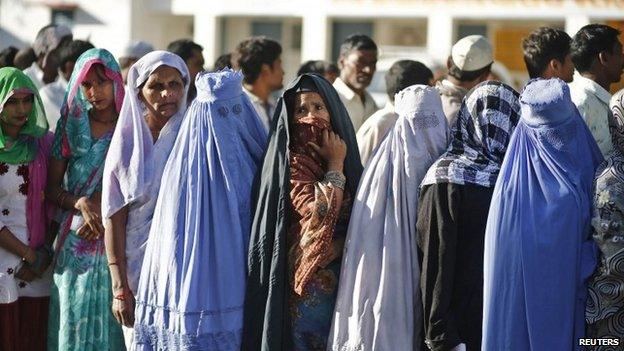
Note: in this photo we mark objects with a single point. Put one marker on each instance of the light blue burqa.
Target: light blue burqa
(538, 249)
(192, 284)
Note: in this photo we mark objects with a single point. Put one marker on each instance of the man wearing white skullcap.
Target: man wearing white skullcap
(468, 65)
(132, 53)
(44, 70)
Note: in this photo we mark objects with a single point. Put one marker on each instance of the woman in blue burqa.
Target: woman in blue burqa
(192, 283)
(302, 206)
(538, 249)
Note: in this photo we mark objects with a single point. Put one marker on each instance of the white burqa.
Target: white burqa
(378, 305)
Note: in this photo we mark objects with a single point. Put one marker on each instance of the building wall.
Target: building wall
(105, 23)
(235, 29)
(159, 28)
(17, 29)
(20, 20)
(424, 26)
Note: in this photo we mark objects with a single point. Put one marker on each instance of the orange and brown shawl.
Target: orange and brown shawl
(314, 211)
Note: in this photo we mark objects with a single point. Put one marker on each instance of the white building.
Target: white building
(307, 29)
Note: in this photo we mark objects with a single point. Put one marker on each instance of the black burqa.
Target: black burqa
(266, 323)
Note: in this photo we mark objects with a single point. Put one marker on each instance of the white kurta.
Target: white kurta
(140, 212)
(13, 190)
(35, 74)
(52, 96)
(359, 110)
(372, 132)
(265, 111)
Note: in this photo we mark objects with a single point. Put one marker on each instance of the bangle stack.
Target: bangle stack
(336, 178)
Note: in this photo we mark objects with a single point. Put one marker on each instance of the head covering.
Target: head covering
(538, 232)
(129, 169)
(378, 305)
(74, 111)
(137, 49)
(472, 53)
(307, 129)
(480, 136)
(192, 285)
(49, 38)
(268, 287)
(24, 148)
(33, 147)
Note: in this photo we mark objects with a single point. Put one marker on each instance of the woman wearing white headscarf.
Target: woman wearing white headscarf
(149, 121)
(378, 305)
(192, 287)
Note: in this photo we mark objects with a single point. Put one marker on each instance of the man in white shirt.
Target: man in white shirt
(598, 59)
(357, 63)
(259, 59)
(44, 70)
(401, 75)
(53, 94)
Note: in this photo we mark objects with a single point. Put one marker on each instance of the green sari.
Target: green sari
(81, 295)
(24, 148)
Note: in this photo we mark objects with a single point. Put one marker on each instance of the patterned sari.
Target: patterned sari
(605, 303)
(80, 300)
(298, 229)
(315, 239)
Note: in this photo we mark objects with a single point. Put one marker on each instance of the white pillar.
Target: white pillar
(575, 22)
(439, 35)
(314, 37)
(207, 34)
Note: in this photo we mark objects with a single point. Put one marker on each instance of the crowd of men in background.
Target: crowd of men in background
(590, 63)
(547, 53)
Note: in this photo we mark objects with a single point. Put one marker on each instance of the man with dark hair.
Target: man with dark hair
(222, 62)
(401, 75)
(191, 53)
(357, 63)
(52, 94)
(326, 69)
(547, 54)
(49, 39)
(7, 56)
(24, 58)
(597, 56)
(260, 60)
(469, 64)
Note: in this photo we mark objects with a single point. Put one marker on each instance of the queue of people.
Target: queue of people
(156, 206)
